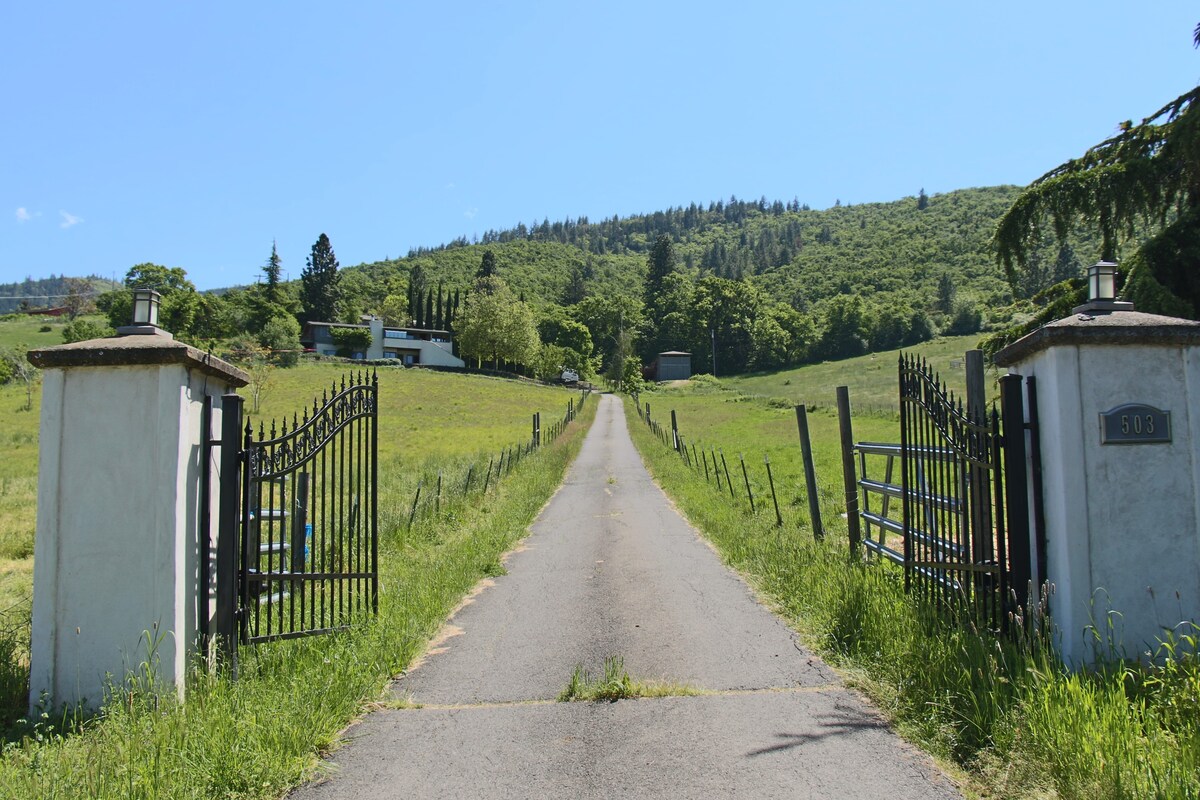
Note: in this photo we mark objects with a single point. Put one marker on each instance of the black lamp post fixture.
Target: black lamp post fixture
(1102, 290)
(145, 315)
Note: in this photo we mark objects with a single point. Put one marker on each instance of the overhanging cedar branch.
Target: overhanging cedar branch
(1144, 173)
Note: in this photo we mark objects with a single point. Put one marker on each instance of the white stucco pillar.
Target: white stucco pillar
(375, 349)
(1119, 411)
(117, 570)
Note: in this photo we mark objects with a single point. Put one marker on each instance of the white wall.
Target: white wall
(116, 559)
(437, 354)
(1122, 521)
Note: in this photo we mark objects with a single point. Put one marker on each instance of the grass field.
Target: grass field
(871, 378)
(221, 744)
(426, 419)
(20, 329)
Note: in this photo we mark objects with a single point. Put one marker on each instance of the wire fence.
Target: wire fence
(439, 486)
(794, 498)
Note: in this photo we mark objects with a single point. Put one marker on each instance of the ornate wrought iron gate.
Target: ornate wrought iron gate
(298, 545)
(966, 517)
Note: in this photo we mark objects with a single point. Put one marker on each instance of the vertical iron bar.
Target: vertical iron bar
(205, 522)
(374, 486)
(251, 495)
(1039, 508)
(228, 530)
(1017, 483)
(998, 487)
(906, 484)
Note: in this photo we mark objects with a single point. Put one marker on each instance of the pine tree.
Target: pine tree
(922, 200)
(487, 268)
(945, 292)
(660, 263)
(428, 308)
(272, 270)
(319, 283)
(576, 288)
(438, 317)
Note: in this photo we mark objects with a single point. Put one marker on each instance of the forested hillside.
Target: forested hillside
(905, 249)
(822, 284)
(761, 285)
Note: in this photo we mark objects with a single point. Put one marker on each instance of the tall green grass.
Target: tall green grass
(256, 737)
(1005, 710)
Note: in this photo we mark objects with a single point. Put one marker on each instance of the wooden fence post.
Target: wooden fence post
(848, 473)
(810, 473)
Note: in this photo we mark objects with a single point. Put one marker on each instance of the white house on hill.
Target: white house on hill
(412, 346)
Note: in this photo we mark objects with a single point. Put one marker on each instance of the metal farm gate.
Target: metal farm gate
(965, 495)
(298, 545)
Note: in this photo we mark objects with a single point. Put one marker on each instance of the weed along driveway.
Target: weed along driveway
(718, 699)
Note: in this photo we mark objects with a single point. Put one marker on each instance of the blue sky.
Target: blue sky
(193, 134)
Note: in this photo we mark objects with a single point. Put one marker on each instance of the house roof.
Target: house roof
(386, 328)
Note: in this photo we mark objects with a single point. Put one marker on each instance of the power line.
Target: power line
(50, 296)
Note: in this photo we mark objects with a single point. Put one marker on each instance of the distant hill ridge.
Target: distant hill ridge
(900, 253)
(894, 252)
(46, 292)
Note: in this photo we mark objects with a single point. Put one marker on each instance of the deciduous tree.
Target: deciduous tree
(494, 325)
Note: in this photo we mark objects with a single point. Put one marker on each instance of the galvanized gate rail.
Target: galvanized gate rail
(298, 544)
(888, 491)
(962, 531)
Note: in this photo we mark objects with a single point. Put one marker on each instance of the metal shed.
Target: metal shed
(674, 366)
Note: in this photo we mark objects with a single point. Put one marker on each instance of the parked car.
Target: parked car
(570, 376)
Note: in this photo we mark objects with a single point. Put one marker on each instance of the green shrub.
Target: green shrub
(80, 330)
(351, 340)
